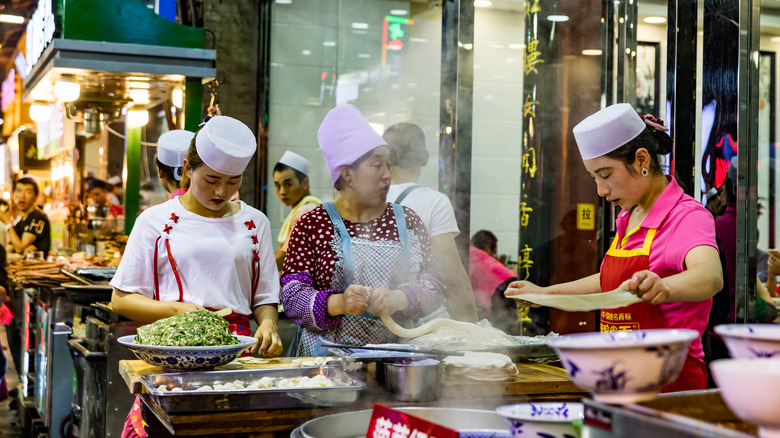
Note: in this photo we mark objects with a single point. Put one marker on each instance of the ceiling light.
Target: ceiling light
(775, 39)
(558, 18)
(40, 112)
(177, 95)
(482, 3)
(306, 53)
(13, 19)
(591, 52)
(137, 118)
(364, 55)
(329, 43)
(283, 2)
(655, 20)
(137, 78)
(140, 96)
(399, 12)
(516, 46)
(67, 88)
(360, 25)
(144, 85)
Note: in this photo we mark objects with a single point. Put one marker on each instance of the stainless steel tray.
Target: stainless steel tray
(345, 393)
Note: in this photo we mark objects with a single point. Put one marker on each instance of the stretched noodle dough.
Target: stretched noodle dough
(496, 335)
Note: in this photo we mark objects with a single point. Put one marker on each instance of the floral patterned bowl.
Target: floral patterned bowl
(627, 366)
(751, 340)
(550, 420)
(177, 359)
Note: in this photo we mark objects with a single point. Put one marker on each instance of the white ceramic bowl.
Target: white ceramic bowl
(751, 340)
(175, 359)
(551, 420)
(627, 366)
(751, 388)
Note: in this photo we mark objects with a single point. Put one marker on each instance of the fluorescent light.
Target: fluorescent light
(516, 46)
(364, 55)
(306, 53)
(775, 39)
(40, 112)
(137, 118)
(329, 43)
(140, 96)
(360, 25)
(144, 85)
(418, 40)
(13, 19)
(283, 2)
(177, 96)
(655, 20)
(558, 18)
(399, 12)
(137, 78)
(482, 3)
(67, 89)
(591, 52)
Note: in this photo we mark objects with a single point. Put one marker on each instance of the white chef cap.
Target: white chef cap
(172, 147)
(607, 130)
(295, 161)
(226, 145)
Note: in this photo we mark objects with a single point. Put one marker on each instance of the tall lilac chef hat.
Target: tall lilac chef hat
(344, 136)
(225, 145)
(607, 130)
(171, 148)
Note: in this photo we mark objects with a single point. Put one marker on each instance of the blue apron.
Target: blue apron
(381, 263)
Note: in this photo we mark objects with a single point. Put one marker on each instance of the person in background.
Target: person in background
(408, 156)
(200, 250)
(359, 257)
(171, 148)
(489, 280)
(291, 182)
(7, 312)
(115, 190)
(31, 230)
(98, 191)
(665, 250)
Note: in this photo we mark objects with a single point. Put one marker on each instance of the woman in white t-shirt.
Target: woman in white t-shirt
(201, 250)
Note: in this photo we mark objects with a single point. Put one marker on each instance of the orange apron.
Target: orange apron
(618, 266)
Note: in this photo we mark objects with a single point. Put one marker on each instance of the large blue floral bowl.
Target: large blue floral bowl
(177, 359)
(747, 341)
(549, 420)
(627, 366)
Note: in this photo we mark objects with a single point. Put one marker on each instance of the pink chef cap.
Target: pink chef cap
(604, 131)
(344, 136)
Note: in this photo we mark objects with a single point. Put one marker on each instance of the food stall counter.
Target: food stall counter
(534, 382)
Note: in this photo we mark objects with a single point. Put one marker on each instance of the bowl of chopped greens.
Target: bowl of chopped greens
(193, 341)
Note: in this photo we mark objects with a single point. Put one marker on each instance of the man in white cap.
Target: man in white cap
(171, 148)
(291, 182)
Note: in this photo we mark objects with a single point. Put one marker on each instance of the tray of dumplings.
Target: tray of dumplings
(244, 390)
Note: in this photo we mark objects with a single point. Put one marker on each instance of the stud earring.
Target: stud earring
(644, 171)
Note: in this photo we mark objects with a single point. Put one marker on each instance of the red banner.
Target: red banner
(389, 423)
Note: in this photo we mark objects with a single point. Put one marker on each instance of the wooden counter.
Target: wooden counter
(534, 382)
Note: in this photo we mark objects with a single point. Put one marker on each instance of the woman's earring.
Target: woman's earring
(644, 171)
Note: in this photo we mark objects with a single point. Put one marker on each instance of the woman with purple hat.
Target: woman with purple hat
(200, 250)
(664, 251)
(357, 258)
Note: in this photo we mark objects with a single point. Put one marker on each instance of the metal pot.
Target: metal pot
(414, 382)
(470, 422)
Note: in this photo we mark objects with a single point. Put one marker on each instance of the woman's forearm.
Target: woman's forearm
(586, 285)
(266, 313)
(304, 304)
(143, 309)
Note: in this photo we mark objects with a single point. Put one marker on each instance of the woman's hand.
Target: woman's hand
(354, 300)
(517, 288)
(384, 301)
(648, 286)
(268, 341)
(180, 308)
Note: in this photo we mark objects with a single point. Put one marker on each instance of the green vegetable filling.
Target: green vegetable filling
(198, 328)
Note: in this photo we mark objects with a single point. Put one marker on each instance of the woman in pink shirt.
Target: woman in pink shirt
(665, 246)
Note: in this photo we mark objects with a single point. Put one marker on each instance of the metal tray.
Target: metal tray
(250, 399)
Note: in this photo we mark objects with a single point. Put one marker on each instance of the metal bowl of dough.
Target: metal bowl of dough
(471, 423)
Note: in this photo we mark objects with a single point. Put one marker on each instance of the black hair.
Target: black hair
(280, 167)
(169, 173)
(655, 141)
(29, 182)
(94, 183)
(407, 145)
(340, 182)
(484, 238)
